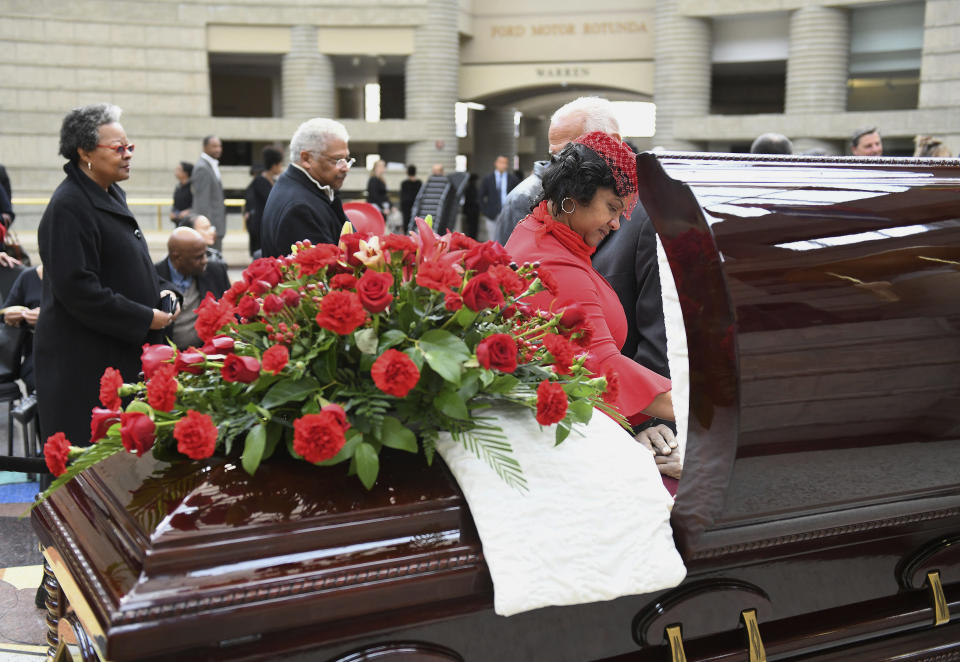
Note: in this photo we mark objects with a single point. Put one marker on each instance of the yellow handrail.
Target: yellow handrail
(159, 203)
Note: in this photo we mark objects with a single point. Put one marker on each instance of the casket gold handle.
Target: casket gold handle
(941, 610)
(756, 652)
(674, 636)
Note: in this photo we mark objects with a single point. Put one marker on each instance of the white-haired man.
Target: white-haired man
(303, 203)
(570, 121)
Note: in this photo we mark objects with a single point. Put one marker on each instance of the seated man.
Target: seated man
(187, 267)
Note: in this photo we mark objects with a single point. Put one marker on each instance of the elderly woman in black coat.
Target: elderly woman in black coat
(101, 293)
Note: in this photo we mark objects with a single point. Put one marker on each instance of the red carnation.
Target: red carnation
(56, 452)
(291, 297)
(612, 393)
(313, 259)
(136, 432)
(272, 304)
(100, 422)
(549, 281)
(401, 243)
(218, 345)
(196, 435)
(395, 373)
(483, 256)
(373, 288)
(573, 317)
(248, 307)
(341, 312)
(162, 388)
(151, 358)
(235, 292)
(265, 269)
(562, 351)
(482, 291)
(275, 358)
(508, 279)
(110, 383)
(243, 369)
(343, 282)
(498, 352)
(190, 360)
(318, 437)
(551, 403)
(437, 276)
(338, 414)
(212, 315)
(459, 241)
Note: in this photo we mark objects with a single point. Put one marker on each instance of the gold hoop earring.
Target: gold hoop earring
(563, 207)
(89, 166)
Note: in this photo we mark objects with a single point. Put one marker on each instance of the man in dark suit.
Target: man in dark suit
(303, 203)
(207, 188)
(493, 192)
(186, 266)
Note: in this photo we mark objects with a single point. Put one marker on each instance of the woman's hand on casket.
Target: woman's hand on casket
(661, 441)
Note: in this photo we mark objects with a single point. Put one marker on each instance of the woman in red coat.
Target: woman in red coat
(588, 186)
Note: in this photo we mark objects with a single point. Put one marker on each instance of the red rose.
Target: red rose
(498, 352)
(482, 256)
(136, 432)
(196, 435)
(243, 369)
(350, 244)
(508, 279)
(248, 307)
(218, 345)
(373, 288)
(272, 304)
(265, 269)
(452, 301)
(291, 297)
(343, 282)
(190, 360)
(162, 388)
(258, 287)
(275, 358)
(100, 422)
(549, 281)
(151, 358)
(482, 291)
(437, 276)
(551, 403)
(562, 352)
(313, 259)
(56, 452)
(395, 373)
(341, 312)
(612, 393)
(318, 437)
(110, 383)
(212, 315)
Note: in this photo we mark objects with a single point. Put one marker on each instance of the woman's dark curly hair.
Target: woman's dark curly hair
(81, 128)
(576, 172)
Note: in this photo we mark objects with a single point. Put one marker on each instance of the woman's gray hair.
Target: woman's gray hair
(81, 128)
(312, 136)
(596, 113)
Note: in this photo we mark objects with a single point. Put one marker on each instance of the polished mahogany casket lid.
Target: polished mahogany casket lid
(821, 306)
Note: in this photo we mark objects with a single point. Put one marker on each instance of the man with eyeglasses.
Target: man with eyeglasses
(207, 188)
(303, 203)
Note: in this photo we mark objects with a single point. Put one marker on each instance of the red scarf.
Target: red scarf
(572, 241)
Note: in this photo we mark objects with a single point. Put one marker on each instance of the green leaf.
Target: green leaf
(579, 389)
(353, 439)
(563, 431)
(287, 391)
(253, 448)
(503, 384)
(444, 352)
(581, 411)
(465, 317)
(368, 464)
(486, 377)
(393, 434)
(274, 434)
(486, 441)
(366, 340)
(452, 405)
(391, 338)
(470, 385)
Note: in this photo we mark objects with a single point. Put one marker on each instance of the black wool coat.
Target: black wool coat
(296, 210)
(99, 292)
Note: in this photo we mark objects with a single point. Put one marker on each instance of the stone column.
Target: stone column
(493, 135)
(308, 79)
(940, 69)
(818, 65)
(432, 81)
(681, 80)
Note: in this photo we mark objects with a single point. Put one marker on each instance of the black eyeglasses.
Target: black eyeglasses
(119, 149)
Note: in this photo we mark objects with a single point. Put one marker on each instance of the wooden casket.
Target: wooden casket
(818, 514)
